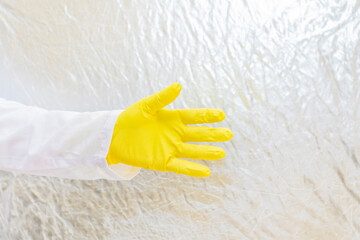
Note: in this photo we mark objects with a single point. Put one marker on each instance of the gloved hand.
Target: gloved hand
(149, 136)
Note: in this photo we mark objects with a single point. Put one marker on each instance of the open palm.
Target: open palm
(149, 136)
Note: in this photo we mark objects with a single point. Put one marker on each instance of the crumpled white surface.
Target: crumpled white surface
(285, 72)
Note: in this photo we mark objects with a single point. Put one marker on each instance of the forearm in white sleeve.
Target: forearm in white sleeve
(58, 143)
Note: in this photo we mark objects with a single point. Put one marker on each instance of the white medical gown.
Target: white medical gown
(58, 143)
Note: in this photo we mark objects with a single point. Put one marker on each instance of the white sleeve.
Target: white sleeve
(58, 143)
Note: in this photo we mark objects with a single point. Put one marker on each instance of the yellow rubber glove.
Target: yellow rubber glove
(148, 136)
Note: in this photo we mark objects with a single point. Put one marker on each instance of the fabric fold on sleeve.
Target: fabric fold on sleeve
(63, 144)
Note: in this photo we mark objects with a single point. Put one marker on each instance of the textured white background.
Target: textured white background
(287, 74)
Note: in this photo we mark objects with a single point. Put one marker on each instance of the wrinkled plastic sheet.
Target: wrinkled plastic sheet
(285, 72)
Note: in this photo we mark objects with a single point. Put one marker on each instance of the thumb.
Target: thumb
(161, 99)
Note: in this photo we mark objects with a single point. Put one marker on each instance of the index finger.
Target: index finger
(201, 115)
